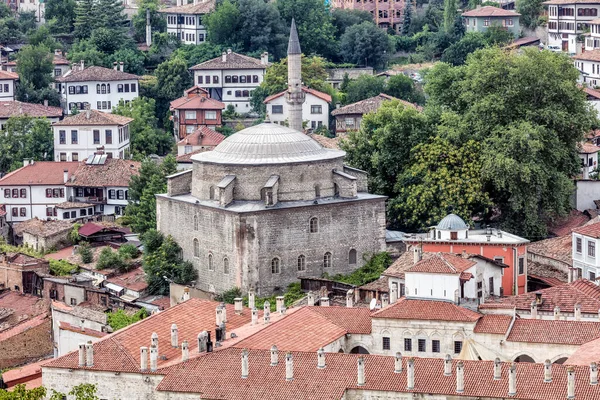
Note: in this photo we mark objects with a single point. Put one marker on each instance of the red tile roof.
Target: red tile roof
(404, 263)
(217, 375)
(65, 326)
(558, 248)
(427, 310)
(95, 117)
(443, 264)
(493, 323)
(588, 353)
(8, 75)
(203, 136)
(490, 11)
(196, 103)
(39, 173)
(316, 93)
(592, 230)
(16, 108)
(25, 374)
(133, 280)
(551, 331)
(95, 73)
(596, 94)
(564, 226)
(115, 172)
(187, 158)
(232, 61)
(199, 8)
(588, 148)
(589, 55)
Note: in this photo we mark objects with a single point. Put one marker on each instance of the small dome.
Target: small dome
(452, 222)
(267, 143)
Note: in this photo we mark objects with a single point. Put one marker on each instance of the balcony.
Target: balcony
(88, 199)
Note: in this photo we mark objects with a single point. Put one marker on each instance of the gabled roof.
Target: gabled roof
(558, 248)
(200, 8)
(8, 75)
(443, 263)
(588, 353)
(48, 173)
(427, 310)
(65, 326)
(94, 117)
(95, 73)
(588, 148)
(553, 332)
(589, 55)
(403, 263)
(115, 172)
(203, 136)
(17, 108)
(133, 280)
(591, 230)
(197, 103)
(493, 323)
(232, 61)
(316, 93)
(371, 104)
(490, 11)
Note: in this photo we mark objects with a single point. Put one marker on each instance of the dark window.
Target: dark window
(74, 156)
(275, 266)
(591, 248)
(73, 301)
(133, 87)
(15, 193)
(127, 195)
(407, 344)
(108, 133)
(73, 137)
(435, 346)
(83, 212)
(234, 79)
(108, 88)
(227, 78)
(215, 79)
(49, 211)
(422, 345)
(479, 289)
(386, 343)
(7, 193)
(120, 195)
(48, 192)
(521, 266)
(84, 89)
(103, 89)
(277, 109)
(73, 214)
(127, 88)
(62, 135)
(120, 88)
(96, 136)
(578, 245)
(453, 235)
(316, 109)
(111, 193)
(71, 89)
(592, 276)
(23, 194)
(15, 212)
(66, 215)
(313, 225)
(327, 260)
(245, 93)
(255, 78)
(79, 192)
(243, 79)
(457, 346)
(23, 212)
(352, 257)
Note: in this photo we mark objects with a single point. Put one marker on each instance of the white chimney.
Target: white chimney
(321, 358)
(417, 256)
(310, 299)
(361, 371)
(153, 358)
(82, 63)
(274, 356)
(266, 307)
(557, 313)
(89, 354)
(224, 310)
(512, 380)
(202, 342)
(570, 382)
(186, 293)
(174, 336)
(115, 65)
(238, 305)
(385, 301)
(266, 317)
(223, 332)
(410, 374)
(218, 316)
(577, 312)
(398, 363)
(185, 352)
(224, 57)
(533, 310)
(144, 358)
(289, 367)
(350, 298)
(460, 377)
(154, 341)
(26, 163)
(229, 51)
(283, 310)
(497, 369)
(547, 371)
(148, 29)
(264, 58)
(254, 316)
(251, 299)
(46, 103)
(244, 364)
(324, 302)
(121, 66)
(447, 365)
(593, 373)
(394, 294)
(279, 303)
(65, 175)
(81, 354)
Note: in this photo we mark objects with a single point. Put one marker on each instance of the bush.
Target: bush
(128, 251)
(85, 252)
(405, 43)
(111, 259)
(62, 268)
(293, 294)
(74, 234)
(119, 319)
(369, 272)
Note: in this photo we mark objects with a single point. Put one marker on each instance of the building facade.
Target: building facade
(567, 20)
(195, 110)
(185, 20)
(8, 81)
(14, 108)
(586, 240)
(385, 14)
(482, 18)
(315, 109)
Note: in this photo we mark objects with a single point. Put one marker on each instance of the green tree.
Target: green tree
(132, 58)
(363, 87)
(112, 259)
(74, 233)
(21, 393)
(87, 51)
(402, 87)
(365, 44)
(42, 36)
(196, 54)
(110, 14)
(262, 28)
(25, 137)
(61, 268)
(313, 75)
(342, 19)
(223, 23)
(61, 15)
(407, 17)
(84, 19)
(85, 252)
(107, 40)
(172, 79)
(371, 271)
(120, 319)
(530, 11)
(157, 21)
(457, 53)
(257, 99)
(35, 68)
(450, 14)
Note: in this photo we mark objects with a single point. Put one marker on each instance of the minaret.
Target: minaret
(295, 96)
(148, 29)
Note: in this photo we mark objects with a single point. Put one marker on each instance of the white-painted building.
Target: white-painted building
(79, 136)
(38, 7)
(8, 81)
(72, 325)
(185, 20)
(315, 109)
(568, 19)
(97, 87)
(586, 255)
(231, 78)
(588, 154)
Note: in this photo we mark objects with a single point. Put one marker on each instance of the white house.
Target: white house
(315, 109)
(97, 87)
(61, 66)
(586, 259)
(78, 136)
(185, 20)
(567, 19)
(231, 78)
(38, 7)
(8, 82)
(588, 154)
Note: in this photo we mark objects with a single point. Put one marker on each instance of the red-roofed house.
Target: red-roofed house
(202, 139)
(128, 286)
(315, 109)
(8, 81)
(481, 18)
(588, 153)
(194, 110)
(586, 243)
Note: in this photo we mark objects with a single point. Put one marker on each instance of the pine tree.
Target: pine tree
(449, 15)
(109, 14)
(407, 17)
(83, 19)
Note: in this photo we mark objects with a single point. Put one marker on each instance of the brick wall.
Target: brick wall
(27, 346)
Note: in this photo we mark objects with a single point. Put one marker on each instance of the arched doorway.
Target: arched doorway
(524, 358)
(560, 360)
(359, 350)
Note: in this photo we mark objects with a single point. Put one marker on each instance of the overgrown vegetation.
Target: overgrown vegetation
(85, 252)
(120, 319)
(7, 248)
(292, 294)
(369, 272)
(62, 267)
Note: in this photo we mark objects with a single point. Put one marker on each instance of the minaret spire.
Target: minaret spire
(295, 96)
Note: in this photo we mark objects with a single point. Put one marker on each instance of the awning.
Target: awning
(113, 287)
(128, 298)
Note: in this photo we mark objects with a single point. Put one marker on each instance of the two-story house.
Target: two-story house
(481, 18)
(60, 63)
(14, 108)
(195, 109)
(78, 136)
(8, 81)
(231, 78)
(315, 109)
(100, 88)
(586, 259)
(185, 20)
(567, 19)
(35, 190)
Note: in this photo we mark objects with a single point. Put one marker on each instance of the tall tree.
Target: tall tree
(402, 87)
(109, 14)
(363, 87)
(365, 44)
(407, 17)
(530, 11)
(84, 19)
(157, 21)
(313, 74)
(60, 15)
(223, 24)
(25, 138)
(172, 79)
(35, 68)
(450, 13)
(342, 19)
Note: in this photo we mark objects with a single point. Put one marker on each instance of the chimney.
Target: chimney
(577, 312)
(228, 51)
(153, 358)
(321, 358)
(89, 354)
(538, 298)
(512, 380)
(238, 305)
(570, 382)
(593, 373)
(254, 316)
(154, 340)
(264, 58)
(121, 66)
(394, 294)
(533, 310)
(57, 52)
(447, 365)
(557, 313)
(324, 302)
(82, 65)
(87, 110)
(398, 363)
(115, 65)
(224, 310)
(26, 163)
(148, 29)
(218, 316)
(251, 299)
(46, 103)
(547, 371)
(497, 369)
(244, 364)
(65, 175)
(174, 336)
(416, 254)
(266, 307)
(289, 367)
(224, 57)
(186, 293)
(279, 303)
(274, 356)
(185, 352)
(460, 377)
(410, 374)
(310, 299)
(350, 298)
(81, 354)
(223, 331)
(202, 342)
(361, 371)
(464, 254)
(384, 300)
(144, 358)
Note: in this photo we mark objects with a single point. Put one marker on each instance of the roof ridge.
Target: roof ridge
(443, 257)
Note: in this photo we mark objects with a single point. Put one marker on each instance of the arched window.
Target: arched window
(313, 225)
(195, 222)
(327, 260)
(317, 191)
(98, 88)
(352, 257)
(225, 265)
(108, 88)
(211, 193)
(196, 248)
(211, 266)
(301, 263)
(103, 89)
(275, 263)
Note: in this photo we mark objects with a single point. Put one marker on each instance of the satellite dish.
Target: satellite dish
(372, 304)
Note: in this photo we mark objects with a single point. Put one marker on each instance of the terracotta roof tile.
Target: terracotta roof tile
(115, 172)
(490, 11)
(551, 331)
(588, 353)
(65, 326)
(133, 280)
(592, 230)
(193, 9)
(589, 55)
(328, 143)
(558, 248)
(42, 228)
(355, 320)
(95, 118)
(547, 280)
(427, 310)
(380, 285)
(8, 75)
(232, 61)
(203, 136)
(23, 326)
(18, 374)
(588, 148)
(95, 73)
(596, 94)
(66, 205)
(17, 108)
(187, 158)
(39, 173)
(443, 264)
(196, 103)
(371, 104)
(316, 93)
(493, 323)
(403, 263)
(564, 226)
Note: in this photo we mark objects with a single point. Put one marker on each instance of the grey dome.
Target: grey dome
(267, 143)
(452, 222)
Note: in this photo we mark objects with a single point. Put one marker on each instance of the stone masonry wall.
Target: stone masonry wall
(27, 346)
(180, 183)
